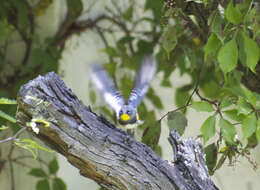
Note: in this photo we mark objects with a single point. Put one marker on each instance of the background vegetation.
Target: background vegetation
(215, 43)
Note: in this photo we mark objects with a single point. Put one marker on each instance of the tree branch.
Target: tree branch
(103, 152)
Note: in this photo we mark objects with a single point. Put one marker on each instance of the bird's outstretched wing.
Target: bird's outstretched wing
(106, 87)
(143, 80)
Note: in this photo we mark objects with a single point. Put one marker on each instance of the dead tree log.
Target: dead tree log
(103, 152)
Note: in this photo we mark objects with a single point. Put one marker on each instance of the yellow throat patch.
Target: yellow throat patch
(125, 117)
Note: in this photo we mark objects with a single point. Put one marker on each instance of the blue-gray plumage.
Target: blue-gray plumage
(143, 80)
(126, 112)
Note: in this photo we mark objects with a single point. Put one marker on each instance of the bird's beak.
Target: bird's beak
(125, 117)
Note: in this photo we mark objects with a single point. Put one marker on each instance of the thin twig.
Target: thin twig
(21, 163)
(197, 84)
(102, 36)
(205, 99)
(13, 137)
(177, 109)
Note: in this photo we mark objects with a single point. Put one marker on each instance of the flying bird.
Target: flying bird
(126, 112)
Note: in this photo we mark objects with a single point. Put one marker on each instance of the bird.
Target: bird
(126, 111)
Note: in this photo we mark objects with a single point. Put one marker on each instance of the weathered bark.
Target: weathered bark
(103, 152)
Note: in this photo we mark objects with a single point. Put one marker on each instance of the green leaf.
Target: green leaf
(37, 172)
(177, 121)
(39, 56)
(221, 161)
(208, 128)
(142, 110)
(228, 130)
(241, 48)
(158, 150)
(252, 141)
(249, 125)
(53, 166)
(110, 51)
(216, 21)
(210, 89)
(7, 101)
(228, 56)
(92, 96)
(258, 130)
(156, 7)
(213, 44)
(232, 84)
(170, 40)
(166, 83)
(182, 95)
(233, 114)
(156, 101)
(22, 16)
(75, 8)
(126, 86)
(41, 8)
(7, 117)
(145, 47)
(6, 30)
(202, 106)
(252, 52)
(111, 68)
(233, 14)
(43, 185)
(211, 152)
(243, 107)
(152, 134)
(169, 12)
(251, 97)
(226, 102)
(106, 112)
(3, 127)
(58, 184)
(128, 14)
(125, 39)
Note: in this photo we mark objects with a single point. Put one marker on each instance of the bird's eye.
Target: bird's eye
(128, 112)
(120, 112)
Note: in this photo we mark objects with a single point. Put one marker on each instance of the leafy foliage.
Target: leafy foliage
(177, 121)
(208, 128)
(202, 106)
(217, 46)
(58, 184)
(43, 185)
(228, 56)
(228, 130)
(53, 166)
(211, 152)
(152, 134)
(215, 43)
(47, 178)
(7, 117)
(37, 172)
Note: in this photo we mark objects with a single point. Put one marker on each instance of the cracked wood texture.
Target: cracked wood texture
(102, 152)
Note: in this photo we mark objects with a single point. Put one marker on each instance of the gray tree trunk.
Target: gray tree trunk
(103, 152)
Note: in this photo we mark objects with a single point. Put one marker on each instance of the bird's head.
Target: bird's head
(127, 115)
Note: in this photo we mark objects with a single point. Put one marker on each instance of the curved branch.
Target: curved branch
(103, 152)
